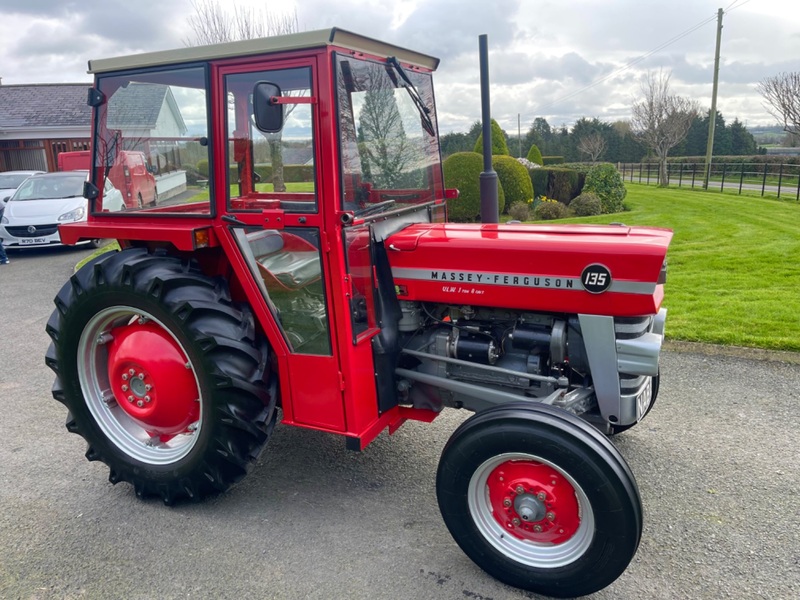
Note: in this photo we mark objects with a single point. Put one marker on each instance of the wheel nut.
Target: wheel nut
(131, 372)
(147, 398)
(551, 516)
(124, 377)
(506, 502)
(515, 522)
(148, 387)
(141, 376)
(140, 404)
(537, 528)
(130, 398)
(124, 388)
(520, 489)
(541, 495)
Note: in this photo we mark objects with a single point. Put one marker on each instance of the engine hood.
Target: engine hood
(589, 269)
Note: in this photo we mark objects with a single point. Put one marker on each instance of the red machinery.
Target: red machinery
(316, 274)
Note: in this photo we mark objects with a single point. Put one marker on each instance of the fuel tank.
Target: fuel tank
(610, 270)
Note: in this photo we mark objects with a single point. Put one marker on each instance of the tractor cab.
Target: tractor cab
(280, 154)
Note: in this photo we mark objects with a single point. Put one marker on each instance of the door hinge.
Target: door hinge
(341, 381)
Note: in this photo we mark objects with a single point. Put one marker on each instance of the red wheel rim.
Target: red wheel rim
(533, 501)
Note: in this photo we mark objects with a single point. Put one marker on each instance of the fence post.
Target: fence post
(640, 172)
(780, 180)
(648, 173)
(722, 185)
(797, 169)
(680, 175)
(764, 180)
(741, 179)
(694, 173)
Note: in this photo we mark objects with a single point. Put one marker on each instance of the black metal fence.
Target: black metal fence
(764, 178)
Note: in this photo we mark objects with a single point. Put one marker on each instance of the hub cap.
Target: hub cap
(530, 510)
(139, 385)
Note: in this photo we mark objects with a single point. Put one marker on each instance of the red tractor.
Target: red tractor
(313, 270)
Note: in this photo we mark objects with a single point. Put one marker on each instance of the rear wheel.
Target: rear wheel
(139, 200)
(162, 374)
(540, 500)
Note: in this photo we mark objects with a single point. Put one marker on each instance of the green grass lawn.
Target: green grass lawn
(734, 264)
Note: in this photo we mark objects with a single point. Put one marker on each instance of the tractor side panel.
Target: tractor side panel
(608, 270)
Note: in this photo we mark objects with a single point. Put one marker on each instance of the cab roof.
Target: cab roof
(281, 43)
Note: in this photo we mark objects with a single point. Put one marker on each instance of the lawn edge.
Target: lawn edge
(783, 356)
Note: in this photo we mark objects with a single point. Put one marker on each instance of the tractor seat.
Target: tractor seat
(292, 268)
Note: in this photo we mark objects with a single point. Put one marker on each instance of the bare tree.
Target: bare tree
(661, 120)
(213, 24)
(593, 144)
(782, 94)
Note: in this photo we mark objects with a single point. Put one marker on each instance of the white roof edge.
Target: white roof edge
(281, 43)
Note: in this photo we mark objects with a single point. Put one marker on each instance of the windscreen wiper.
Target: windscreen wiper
(424, 111)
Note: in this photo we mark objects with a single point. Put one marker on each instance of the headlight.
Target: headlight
(73, 215)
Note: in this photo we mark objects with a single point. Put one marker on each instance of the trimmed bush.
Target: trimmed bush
(605, 181)
(586, 205)
(549, 210)
(552, 160)
(565, 184)
(499, 145)
(462, 170)
(540, 178)
(514, 178)
(202, 167)
(521, 211)
(535, 155)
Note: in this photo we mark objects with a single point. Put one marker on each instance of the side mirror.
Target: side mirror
(6, 199)
(268, 115)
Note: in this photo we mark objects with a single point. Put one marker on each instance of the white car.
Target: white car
(43, 202)
(10, 181)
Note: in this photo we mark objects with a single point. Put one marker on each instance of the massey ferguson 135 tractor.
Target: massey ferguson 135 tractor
(311, 268)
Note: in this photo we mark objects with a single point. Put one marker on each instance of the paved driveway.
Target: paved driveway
(716, 461)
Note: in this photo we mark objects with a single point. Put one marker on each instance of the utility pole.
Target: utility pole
(712, 120)
(519, 134)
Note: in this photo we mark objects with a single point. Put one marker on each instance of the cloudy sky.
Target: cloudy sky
(560, 59)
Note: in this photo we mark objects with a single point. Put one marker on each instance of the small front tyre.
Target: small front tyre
(163, 375)
(540, 500)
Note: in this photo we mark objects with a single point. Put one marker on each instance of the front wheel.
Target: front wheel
(540, 500)
(163, 375)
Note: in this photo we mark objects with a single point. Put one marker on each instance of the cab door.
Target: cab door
(274, 222)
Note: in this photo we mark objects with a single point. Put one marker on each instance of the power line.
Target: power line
(632, 63)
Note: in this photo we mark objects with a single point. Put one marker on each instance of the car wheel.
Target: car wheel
(139, 201)
(163, 375)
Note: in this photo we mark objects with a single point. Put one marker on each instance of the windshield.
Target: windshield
(49, 188)
(389, 156)
(11, 181)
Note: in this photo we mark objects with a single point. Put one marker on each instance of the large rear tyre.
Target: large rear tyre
(540, 500)
(163, 375)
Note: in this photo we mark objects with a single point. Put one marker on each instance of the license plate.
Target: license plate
(27, 241)
(643, 399)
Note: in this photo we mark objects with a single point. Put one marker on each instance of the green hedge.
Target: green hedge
(513, 179)
(558, 183)
(462, 171)
(552, 160)
(499, 145)
(535, 155)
